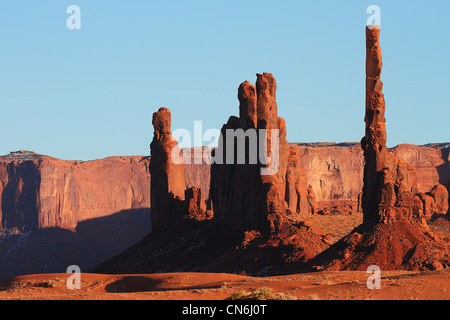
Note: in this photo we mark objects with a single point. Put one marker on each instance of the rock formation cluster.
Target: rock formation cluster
(252, 209)
(240, 197)
(259, 213)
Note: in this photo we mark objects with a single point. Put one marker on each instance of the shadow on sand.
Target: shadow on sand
(52, 250)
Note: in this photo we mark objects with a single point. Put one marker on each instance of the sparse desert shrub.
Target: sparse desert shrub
(237, 295)
(49, 284)
(263, 293)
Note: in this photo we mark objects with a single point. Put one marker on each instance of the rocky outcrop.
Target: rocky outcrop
(439, 193)
(376, 171)
(168, 177)
(195, 205)
(394, 233)
(175, 195)
(241, 195)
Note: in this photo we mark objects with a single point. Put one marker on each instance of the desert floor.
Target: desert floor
(324, 285)
(340, 285)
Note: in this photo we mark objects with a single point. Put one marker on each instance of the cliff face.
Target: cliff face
(43, 192)
(432, 163)
(55, 213)
(336, 171)
(39, 191)
(19, 200)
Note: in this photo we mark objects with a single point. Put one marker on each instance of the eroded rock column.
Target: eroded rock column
(167, 177)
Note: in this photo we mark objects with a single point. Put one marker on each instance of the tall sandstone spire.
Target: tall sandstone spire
(389, 182)
(374, 141)
(394, 233)
(167, 178)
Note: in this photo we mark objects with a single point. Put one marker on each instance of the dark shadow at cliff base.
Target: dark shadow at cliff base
(18, 199)
(444, 169)
(52, 250)
(200, 247)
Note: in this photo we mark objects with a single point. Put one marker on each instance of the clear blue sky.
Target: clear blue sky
(90, 93)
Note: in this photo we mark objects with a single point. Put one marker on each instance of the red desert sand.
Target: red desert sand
(327, 285)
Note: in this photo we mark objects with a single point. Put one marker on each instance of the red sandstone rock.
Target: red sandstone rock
(447, 185)
(168, 177)
(440, 195)
(374, 142)
(393, 233)
(241, 196)
(243, 199)
(248, 105)
(336, 170)
(42, 192)
(389, 182)
(312, 199)
(300, 198)
(195, 205)
(431, 163)
(429, 205)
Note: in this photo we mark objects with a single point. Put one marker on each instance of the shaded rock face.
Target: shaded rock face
(19, 190)
(195, 205)
(66, 212)
(241, 196)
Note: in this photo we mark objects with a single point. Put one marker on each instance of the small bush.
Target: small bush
(237, 295)
(263, 293)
